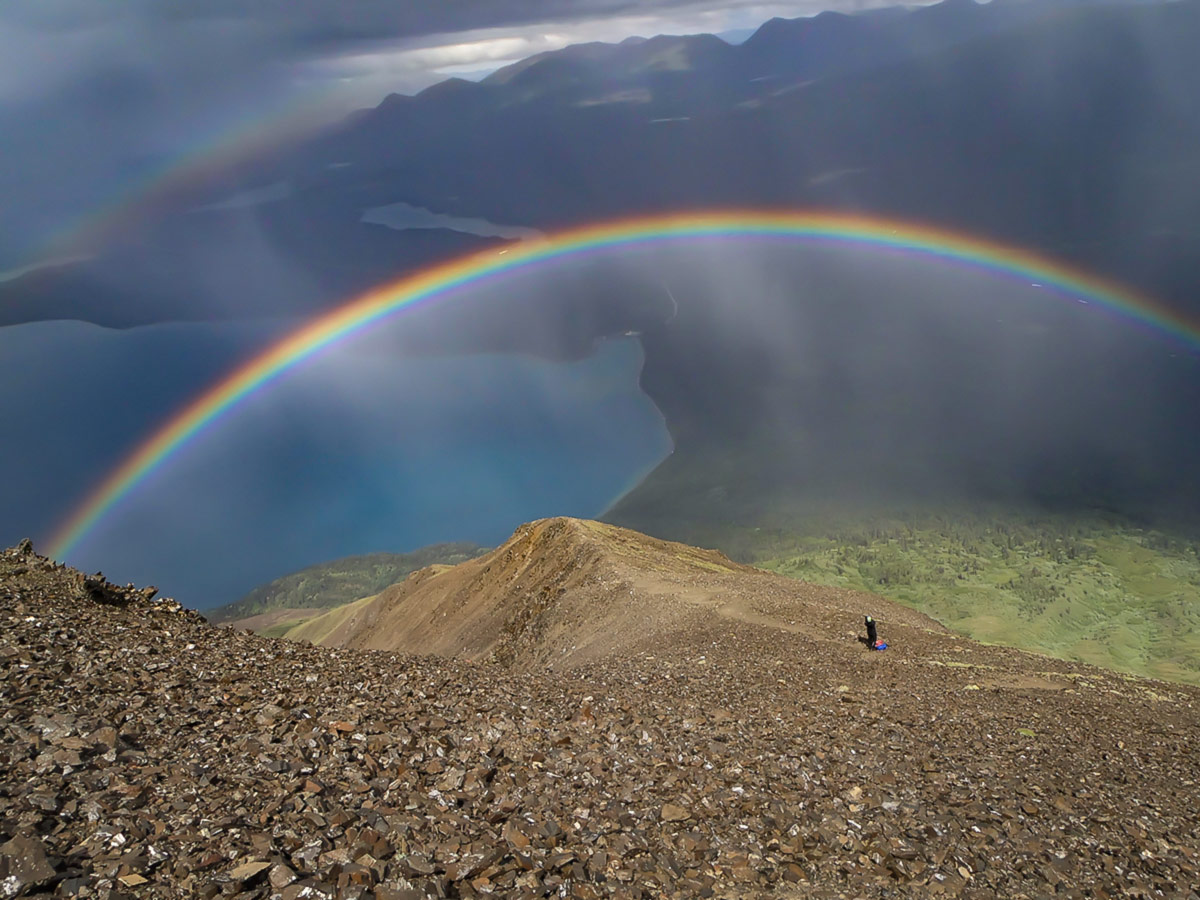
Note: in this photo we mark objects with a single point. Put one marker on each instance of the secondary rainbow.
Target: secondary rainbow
(441, 281)
(179, 180)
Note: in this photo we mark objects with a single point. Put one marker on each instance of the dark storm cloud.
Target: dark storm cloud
(273, 31)
(328, 21)
(93, 94)
(202, 46)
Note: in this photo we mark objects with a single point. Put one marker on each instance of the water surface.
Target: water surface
(362, 450)
(403, 215)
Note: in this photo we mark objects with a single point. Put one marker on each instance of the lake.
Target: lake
(358, 451)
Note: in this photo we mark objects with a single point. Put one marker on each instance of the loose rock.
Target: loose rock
(145, 753)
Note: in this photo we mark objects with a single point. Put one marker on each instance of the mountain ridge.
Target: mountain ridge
(562, 592)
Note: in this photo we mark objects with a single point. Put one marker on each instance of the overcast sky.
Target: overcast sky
(372, 46)
(91, 90)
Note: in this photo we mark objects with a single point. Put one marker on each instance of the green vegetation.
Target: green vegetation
(1087, 586)
(1084, 588)
(341, 581)
(283, 626)
(319, 628)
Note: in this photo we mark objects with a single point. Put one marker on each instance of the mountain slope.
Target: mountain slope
(1059, 578)
(1098, 590)
(738, 759)
(564, 591)
(339, 581)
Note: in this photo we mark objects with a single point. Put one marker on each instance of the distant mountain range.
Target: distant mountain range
(1072, 128)
(1066, 128)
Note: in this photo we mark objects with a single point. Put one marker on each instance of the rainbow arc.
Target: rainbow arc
(442, 281)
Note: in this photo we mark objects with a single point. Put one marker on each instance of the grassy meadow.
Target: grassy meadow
(1090, 588)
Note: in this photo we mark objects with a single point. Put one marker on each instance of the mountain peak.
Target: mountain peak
(451, 87)
(564, 591)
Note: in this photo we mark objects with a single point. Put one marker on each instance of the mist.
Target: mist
(798, 379)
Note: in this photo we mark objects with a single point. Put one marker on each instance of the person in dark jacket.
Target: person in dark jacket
(873, 641)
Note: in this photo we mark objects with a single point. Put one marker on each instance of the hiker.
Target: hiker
(873, 641)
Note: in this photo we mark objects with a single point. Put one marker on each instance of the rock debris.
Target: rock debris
(146, 753)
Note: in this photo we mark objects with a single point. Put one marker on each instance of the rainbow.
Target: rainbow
(159, 190)
(440, 281)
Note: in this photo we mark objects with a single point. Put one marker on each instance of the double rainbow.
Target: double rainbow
(185, 178)
(440, 281)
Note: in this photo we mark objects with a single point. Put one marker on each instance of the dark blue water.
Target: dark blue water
(362, 450)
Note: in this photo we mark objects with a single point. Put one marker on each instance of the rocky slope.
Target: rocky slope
(144, 752)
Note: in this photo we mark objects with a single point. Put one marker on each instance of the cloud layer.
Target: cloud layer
(90, 91)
